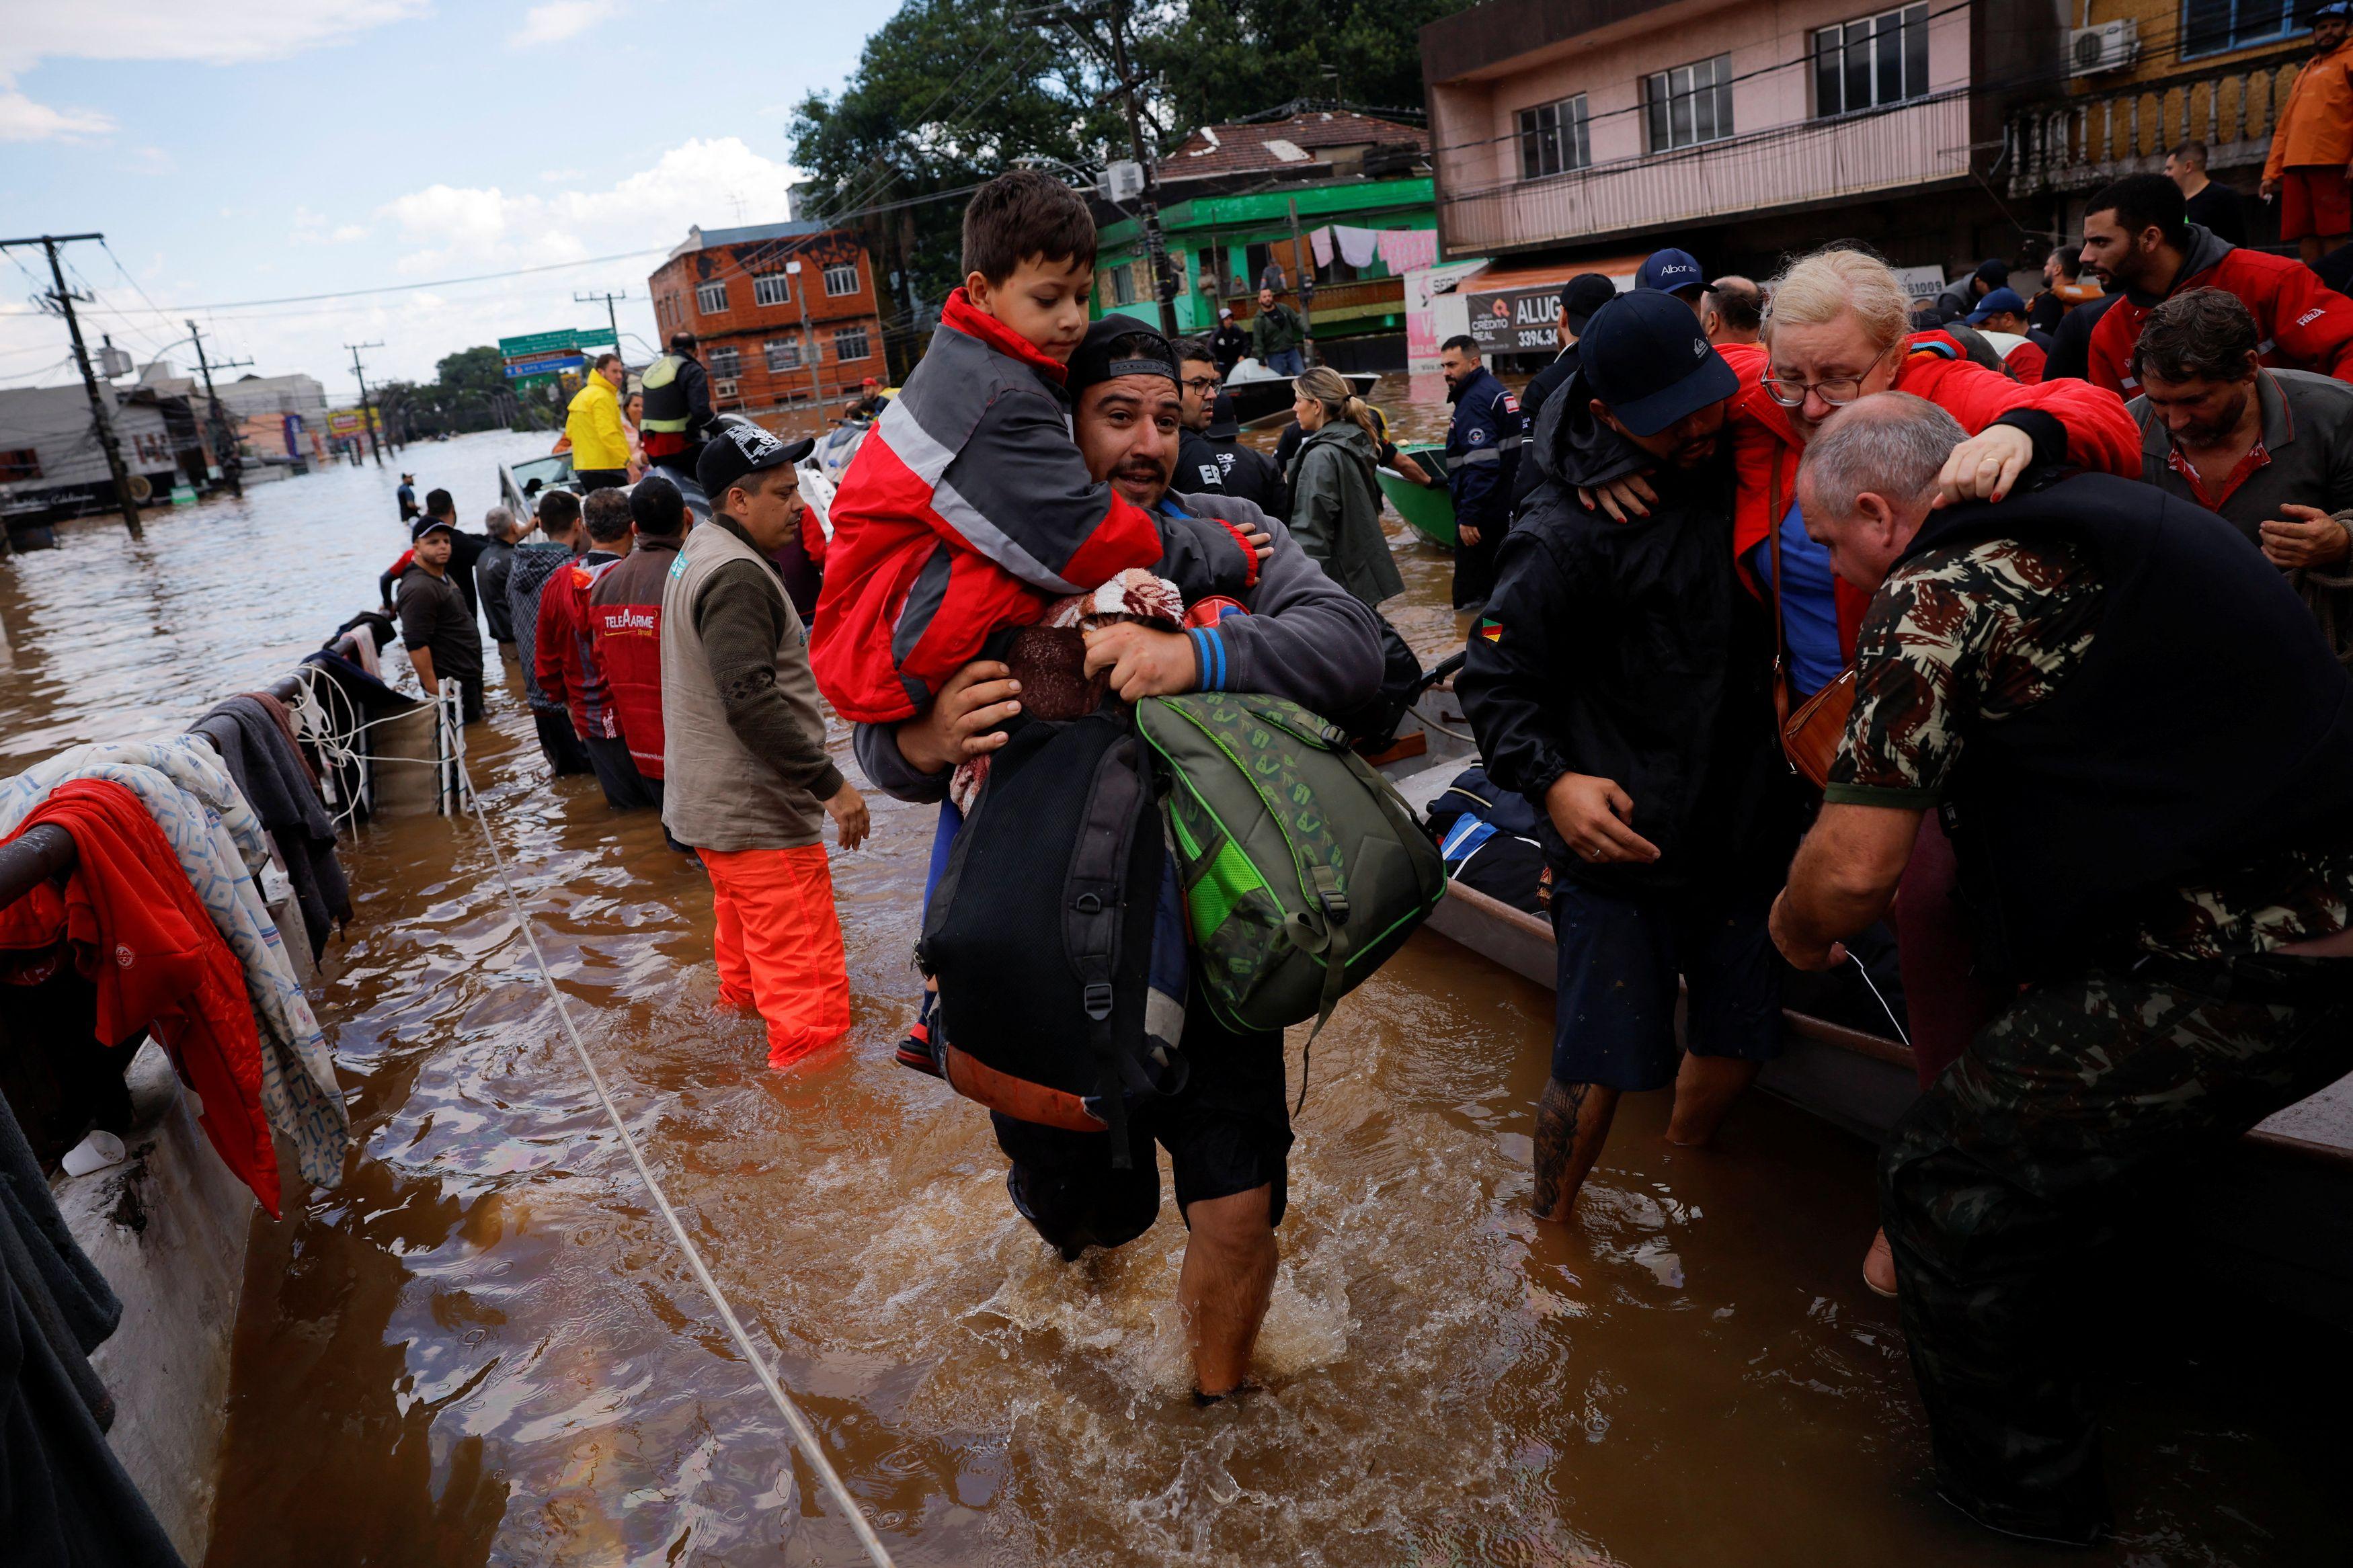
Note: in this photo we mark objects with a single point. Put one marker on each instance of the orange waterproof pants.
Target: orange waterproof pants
(779, 945)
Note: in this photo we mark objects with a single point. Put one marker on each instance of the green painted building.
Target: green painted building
(1219, 245)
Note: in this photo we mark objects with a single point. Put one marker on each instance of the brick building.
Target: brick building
(733, 288)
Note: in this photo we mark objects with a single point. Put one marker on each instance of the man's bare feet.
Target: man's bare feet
(1879, 1267)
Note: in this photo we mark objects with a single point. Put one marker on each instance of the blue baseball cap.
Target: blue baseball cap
(2339, 11)
(1644, 356)
(1999, 300)
(1669, 273)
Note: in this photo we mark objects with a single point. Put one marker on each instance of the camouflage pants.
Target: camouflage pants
(1999, 1177)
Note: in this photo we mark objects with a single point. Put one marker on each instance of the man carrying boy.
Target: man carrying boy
(1227, 1131)
(568, 667)
(1619, 680)
(966, 510)
(746, 781)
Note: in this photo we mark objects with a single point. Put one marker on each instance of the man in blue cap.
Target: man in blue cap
(2000, 319)
(1621, 679)
(1673, 272)
(1482, 460)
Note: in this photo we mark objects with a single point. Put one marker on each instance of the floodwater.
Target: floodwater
(483, 1348)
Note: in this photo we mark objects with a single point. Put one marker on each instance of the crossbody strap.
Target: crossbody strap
(1773, 554)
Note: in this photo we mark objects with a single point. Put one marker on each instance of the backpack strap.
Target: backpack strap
(1094, 912)
(1328, 939)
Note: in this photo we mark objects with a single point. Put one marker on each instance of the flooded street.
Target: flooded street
(483, 1348)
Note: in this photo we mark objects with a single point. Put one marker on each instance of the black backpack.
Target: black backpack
(1056, 935)
(1490, 840)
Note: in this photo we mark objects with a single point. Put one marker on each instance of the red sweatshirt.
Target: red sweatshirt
(966, 509)
(139, 934)
(2304, 323)
(625, 630)
(2101, 436)
(565, 663)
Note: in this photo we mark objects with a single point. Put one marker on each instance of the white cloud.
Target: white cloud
(22, 120)
(698, 182)
(217, 32)
(557, 20)
(349, 232)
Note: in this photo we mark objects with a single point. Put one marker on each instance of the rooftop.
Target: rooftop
(1289, 145)
(701, 239)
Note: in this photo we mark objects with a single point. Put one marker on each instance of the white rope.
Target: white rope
(803, 1433)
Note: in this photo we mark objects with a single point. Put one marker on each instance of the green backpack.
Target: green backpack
(1302, 869)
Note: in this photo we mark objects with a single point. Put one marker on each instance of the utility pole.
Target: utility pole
(1155, 246)
(800, 298)
(611, 318)
(231, 464)
(1302, 260)
(65, 298)
(367, 416)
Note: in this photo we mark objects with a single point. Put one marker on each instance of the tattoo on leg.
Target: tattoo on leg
(1557, 1116)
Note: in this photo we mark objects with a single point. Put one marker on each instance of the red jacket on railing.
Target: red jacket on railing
(138, 933)
(624, 631)
(1765, 445)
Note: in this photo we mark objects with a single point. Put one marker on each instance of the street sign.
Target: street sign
(543, 365)
(572, 339)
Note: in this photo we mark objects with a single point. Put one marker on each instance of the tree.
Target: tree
(1215, 60)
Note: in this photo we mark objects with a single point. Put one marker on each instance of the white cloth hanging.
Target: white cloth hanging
(1321, 241)
(1404, 249)
(1357, 244)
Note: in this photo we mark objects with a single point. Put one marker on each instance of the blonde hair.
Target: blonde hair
(1330, 388)
(1831, 283)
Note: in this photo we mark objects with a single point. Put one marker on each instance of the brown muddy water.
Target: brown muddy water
(482, 1348)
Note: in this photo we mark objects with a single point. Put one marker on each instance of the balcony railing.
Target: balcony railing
(2079, 142)
(1789, 165)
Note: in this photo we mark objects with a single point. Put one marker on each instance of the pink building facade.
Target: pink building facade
(1733, 129)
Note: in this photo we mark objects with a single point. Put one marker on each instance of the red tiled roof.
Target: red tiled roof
(1243, 148)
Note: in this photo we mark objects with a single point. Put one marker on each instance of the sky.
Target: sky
(237, 151)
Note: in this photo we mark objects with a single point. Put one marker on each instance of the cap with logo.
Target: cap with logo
(1669, 273)
(1093, 364)
(1582, 295)
(738, 449)
(1644, 356)
(1998, 301)
(427, 524)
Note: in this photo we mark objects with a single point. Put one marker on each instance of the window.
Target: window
(841, 278)
(1255, 259)
(850, 343)
(1553, 138)
(711, 297)
(1871, 63)
(2210, 26)
(772, 288)
(723, 386)
(1690, 104)
(1122, 285)
(24, 463)
(783, 354)
(724, 362)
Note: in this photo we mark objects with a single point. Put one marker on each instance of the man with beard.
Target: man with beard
(1619, 680)
(1227, 1131)
(1210, 457)
(2270, 451)
(1482, 461)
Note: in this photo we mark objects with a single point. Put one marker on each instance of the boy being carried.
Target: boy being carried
(968, 509)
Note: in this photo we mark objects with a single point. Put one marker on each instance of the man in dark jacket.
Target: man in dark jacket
(1230, 343)
(2155, 850)
(677, 414)
(1278, 337)
(527, 578)
(1483, 460)
(436, 626)
(1579, 297)
(565, 653)
(1211, 458)
(1959, 299)
(1227, 1131)
(491, 568)
(1619, 679)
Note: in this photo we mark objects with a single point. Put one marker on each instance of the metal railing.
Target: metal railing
(2076, 144)
(1789, 165)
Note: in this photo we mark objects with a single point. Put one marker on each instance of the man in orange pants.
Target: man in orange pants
(747, 780)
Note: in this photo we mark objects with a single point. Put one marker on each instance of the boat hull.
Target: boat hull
(1429, 511)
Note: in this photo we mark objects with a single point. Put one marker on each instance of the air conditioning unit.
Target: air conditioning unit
(2108, 47)
(723, 386)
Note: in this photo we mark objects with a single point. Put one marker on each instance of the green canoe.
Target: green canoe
(1428, 512)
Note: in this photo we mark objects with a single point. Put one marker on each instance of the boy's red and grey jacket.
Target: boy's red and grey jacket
(967, 508)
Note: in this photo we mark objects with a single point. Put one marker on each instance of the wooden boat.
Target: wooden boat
(1429, 511)
(2273, 1216)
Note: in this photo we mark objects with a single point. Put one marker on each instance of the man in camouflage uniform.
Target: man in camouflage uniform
(2155, 854)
